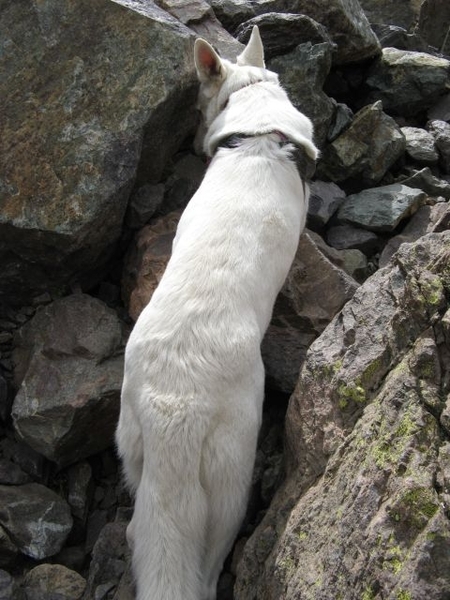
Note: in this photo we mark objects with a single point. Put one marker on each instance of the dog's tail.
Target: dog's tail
(167, 532)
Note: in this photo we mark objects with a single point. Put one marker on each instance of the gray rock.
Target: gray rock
(54, 581)
(181, 185)
(381, 209)
(325, 198)
(80, 489)
(7, 586)
(5, 404)
(433, 25)
(109, 560)
(404, 14)
(37, 520)
(69, 365)
(344, 20)
(94, 89)
(420, 145)
(407, 82)
(12, 474)
(426, 181)
(391, 36)
(440, 130)
(359, 509)
(8, 550)
(343, 237)
(342, 119)
(365, 151)
(143, 204)
(309, 63)
(441, 110)
(351, 260)
(428, 219)
(300, 315)
(281, 33)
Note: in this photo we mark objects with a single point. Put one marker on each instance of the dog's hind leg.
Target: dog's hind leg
(228, 459)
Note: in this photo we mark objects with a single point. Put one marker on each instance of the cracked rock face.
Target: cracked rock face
(366, 502)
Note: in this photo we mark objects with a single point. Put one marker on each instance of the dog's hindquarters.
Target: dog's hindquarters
(167, 531)
(195, 472)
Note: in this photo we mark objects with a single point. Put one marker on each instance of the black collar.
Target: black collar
(306, 165)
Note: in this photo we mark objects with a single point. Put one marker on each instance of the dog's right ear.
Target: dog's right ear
(207, 62)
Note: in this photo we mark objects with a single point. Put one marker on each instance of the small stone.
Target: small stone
(12, 474)
(342, 237)
(37, 520)
(324, 200)
(426, 181)
(381, 209)
(420, 145)
(49, 579)
(7, 586)
(440, 130)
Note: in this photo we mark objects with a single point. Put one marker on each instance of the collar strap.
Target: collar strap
(306, 165)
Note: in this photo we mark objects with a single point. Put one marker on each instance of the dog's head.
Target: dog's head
(219, 78)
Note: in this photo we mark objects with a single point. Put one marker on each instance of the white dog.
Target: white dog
(193, 388)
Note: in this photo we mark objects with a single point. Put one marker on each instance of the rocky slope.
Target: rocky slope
(351, 495)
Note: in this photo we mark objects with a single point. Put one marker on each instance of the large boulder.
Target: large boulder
(366, 500)
(403, 14)
(434, 19)
(344, 20)
(69, 365)
(382, 208)
(364, 152)
(86, 92)
(309, 63)
(407, 82)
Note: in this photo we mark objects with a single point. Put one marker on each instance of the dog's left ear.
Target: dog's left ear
(253, 54)
(207, 62)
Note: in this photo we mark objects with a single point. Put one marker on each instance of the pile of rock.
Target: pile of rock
(97, 163)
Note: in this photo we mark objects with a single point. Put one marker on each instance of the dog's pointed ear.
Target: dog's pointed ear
(253, 54)
(207, 62)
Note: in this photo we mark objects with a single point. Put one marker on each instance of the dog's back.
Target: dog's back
(193, 387)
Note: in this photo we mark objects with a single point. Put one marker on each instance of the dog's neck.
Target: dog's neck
(306, 165)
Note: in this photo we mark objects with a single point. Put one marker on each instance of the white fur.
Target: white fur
(193, 386)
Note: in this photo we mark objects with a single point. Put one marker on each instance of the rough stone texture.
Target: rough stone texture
(360, 514)
(365, 151)
(8, 550)
(441, 110)
(62, 211)
(441, 133)
(428, 219)
(381, 209)
(426, 181)
(54, 581)
(146, 261)
(345, 21)
(109, 560)
(37, 520)
(407, 82)
(300, 314)
(342, 237)
(281, 33)
(403, 14)
(391, 36)
(324, 200)
(7, 587)
(420, 145)
(434, 22)
(69, 365)
(312, 63)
